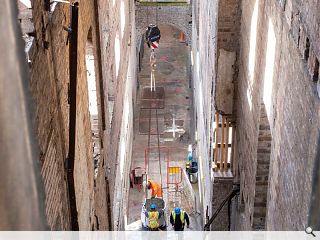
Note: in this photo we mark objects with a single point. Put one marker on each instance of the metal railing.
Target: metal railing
(228, 199)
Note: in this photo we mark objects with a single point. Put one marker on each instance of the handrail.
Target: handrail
(228, 198)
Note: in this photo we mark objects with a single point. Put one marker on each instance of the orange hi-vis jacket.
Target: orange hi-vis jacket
(156, 190)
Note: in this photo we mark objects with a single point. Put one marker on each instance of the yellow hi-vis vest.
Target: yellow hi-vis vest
(181, 216)
(153, 220)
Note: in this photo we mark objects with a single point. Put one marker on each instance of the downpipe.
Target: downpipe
(73, 59)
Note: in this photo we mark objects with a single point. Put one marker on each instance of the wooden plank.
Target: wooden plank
(216, 140)
(222, 143)
(226, 150)
(232, 147)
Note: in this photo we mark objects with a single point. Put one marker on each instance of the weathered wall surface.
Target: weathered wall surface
(204, 72)
(229, 23)
(277, 68)
(51, 135)
(262, 177)
(225, 81)
(50, 92)
(221, 188)
(119, 75)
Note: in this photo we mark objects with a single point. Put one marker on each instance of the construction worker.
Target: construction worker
(152, 36)
(188, 163)
(178, 218)
(153, 218)
(155, 187)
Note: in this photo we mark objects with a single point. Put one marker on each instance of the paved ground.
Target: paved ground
(172, 75)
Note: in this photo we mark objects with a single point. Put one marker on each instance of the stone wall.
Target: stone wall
(204, 72)
(263, 163)
(50, 133)
(277, 68)
(229, 22)
(118, 54)
(176, 16)
(49, 86)
(221, 188)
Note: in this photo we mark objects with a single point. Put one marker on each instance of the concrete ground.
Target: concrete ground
(172, 75)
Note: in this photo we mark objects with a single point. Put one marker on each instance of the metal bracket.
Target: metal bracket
(69, 30)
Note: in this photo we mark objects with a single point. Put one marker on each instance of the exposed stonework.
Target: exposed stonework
(263, 163)
(204, 76)
(225, 82)
(50, 92)
(229, 22)
(229, 25)
(49, 132)
(120, 81)
(257, 60)
(272, 70)
(221, 188)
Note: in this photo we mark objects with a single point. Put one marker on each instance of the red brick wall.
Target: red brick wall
(49, 86)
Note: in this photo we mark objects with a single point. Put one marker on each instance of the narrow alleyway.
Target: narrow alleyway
(174, 124)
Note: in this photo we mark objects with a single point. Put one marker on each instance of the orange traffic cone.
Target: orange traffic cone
(182, 37)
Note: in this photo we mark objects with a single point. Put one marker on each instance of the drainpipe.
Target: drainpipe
(73, 58)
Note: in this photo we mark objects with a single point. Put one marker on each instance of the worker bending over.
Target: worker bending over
(156, 190)
(178, 218)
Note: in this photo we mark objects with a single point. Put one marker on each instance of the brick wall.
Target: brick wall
(273, 71)
(263, 163)
(229, 25)
(177, 16)
(49, 132)
(50, 92)
(204, 72)
(221, 188)
(117, 36)
(229, 22)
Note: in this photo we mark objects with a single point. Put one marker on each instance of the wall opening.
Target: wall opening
(269, 69)
(307, 49)
(93, 106)
(26, 22)
(316, 71)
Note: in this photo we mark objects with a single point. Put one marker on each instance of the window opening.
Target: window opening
(316, 71)
(306, 51)
(93, 106)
